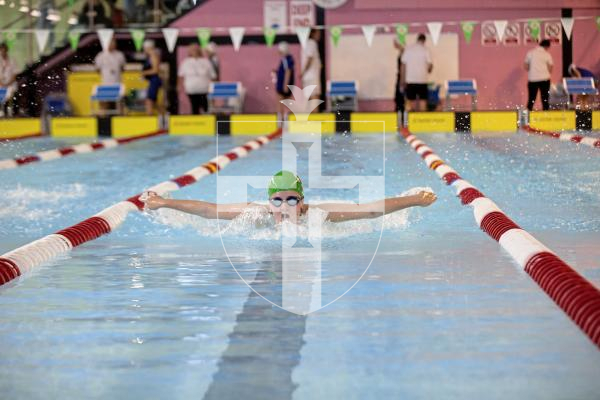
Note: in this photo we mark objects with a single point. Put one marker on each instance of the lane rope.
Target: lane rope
(82, 148)
(576, 296)
(565, 137)
(25, 258)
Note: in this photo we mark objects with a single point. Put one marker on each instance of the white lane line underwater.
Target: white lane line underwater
(577, 297)
(81, 148)
(23, 259)
(565, 137)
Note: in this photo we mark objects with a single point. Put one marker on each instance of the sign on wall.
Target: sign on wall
(512, 34)
(275, 14)
(553, 32)
(529, 35)
(489, 37)
(329, 3)
(302, 13)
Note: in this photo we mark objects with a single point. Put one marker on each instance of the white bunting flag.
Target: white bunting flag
(369, 32)
(105, 36)
(303, 33)
(237, 35)
(500, 26)
(170, 35)
(41, 36)
(435, 29)
(567, 24)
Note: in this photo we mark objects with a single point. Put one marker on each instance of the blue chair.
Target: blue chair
(461, 87)
(342, 95)
(108, 94)
(225, 97)
(579, 86)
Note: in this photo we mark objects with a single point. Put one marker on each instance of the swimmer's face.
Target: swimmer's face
(285, 211)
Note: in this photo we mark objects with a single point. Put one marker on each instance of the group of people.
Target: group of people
(195, 73)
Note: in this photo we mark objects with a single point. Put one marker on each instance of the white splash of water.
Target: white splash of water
(255, 223)
(33, 204)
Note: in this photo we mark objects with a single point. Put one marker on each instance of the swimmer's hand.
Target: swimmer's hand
(425, 199)
(153, 201)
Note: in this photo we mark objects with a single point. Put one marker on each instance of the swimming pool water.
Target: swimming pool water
(155, 310)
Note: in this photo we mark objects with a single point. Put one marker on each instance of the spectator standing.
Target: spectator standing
(284, 77)
(399, 94)
(195, 75)
(311, 63)
(538, 64)
(416, 66)
(110, 63)
(150, 72)
(8, 79)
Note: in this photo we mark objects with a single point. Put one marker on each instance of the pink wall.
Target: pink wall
(498, 70)
(586, 41)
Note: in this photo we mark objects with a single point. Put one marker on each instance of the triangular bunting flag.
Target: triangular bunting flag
(336, 34)
(435, 29)
(105, 36)
(401, 31)
(138, 35)
(170, 35)
(534, 28)
(74, 39)
(303, 33)
(203, 36)
(567, 24)
(467, 28)
(237, 35)
(369, 32)
(41, 36)
(10, 37)
(270, 34)
(500, 28)
(598, 23)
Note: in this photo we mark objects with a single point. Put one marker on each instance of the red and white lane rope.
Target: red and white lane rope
(76, 149)
(25, 258)
(578, 298)
(565, 137)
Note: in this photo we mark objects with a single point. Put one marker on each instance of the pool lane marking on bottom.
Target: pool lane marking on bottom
(81, 148)
(565, 137)
(576, 296)
(23, 259)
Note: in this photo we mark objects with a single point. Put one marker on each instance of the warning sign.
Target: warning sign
(512, 34)
(553, 32)
(302, 13)
(488, 34)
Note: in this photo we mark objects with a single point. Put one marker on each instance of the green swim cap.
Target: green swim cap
(283, 181)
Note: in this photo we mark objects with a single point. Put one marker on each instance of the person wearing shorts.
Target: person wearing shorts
(416, 66)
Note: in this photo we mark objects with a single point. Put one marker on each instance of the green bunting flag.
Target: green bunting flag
(534, 28)
(598, 23)
(270, 34)
(138, 36)
(70, 3)
(336, 33)
(203, 36)
(10, 38)
(401, 31)
(74, 39)
(467, 28)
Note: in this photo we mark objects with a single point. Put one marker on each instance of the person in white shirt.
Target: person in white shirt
(194, 77)
(8, 78)
(538, 64)
(110, 63)
(416, 66)
(310, 72)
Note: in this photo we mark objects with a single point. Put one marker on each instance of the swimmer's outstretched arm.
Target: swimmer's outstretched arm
(197, 207)
(348, 212)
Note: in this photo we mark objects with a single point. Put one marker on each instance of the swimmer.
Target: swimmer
(286, 202)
